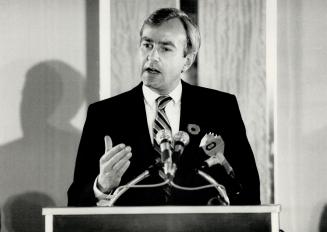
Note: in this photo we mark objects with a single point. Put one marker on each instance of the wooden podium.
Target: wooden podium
(264, 218)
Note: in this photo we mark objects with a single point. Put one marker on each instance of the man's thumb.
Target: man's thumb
(107, 143)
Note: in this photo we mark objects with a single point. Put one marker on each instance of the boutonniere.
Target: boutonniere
(193, 129)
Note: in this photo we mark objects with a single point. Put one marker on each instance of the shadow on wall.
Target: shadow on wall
(323, 220)
(43, 160)
(23, 212)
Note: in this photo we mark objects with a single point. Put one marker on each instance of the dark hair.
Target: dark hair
(191, 29)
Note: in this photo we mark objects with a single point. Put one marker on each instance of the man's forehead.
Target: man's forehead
(168, 31)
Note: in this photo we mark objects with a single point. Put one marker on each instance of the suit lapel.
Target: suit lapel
(140, 125)
(191, 121)
(187, 106)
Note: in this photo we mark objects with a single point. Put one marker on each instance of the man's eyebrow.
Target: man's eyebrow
(147, 39)
(164, 43)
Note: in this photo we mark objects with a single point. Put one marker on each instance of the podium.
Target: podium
(263, 218)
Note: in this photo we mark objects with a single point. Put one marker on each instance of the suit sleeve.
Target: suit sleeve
(91, 147)
(239, 153)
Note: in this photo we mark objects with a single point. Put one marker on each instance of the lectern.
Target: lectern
(264, 218)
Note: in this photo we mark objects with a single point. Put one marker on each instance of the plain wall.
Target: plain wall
(301, 164)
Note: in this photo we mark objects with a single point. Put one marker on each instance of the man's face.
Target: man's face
(162, 55)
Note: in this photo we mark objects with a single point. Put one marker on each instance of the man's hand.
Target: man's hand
(113, 164)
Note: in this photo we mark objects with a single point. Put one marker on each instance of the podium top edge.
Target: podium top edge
(161, 210)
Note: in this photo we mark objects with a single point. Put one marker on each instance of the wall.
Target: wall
(43, 67)
(302, 115)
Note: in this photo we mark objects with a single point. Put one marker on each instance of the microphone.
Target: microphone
(181, 139)
(214, 147)
(164, 139)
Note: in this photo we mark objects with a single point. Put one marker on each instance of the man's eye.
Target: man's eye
(166, 49)
(147, 45)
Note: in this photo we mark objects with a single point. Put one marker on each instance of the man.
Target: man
(118, 142)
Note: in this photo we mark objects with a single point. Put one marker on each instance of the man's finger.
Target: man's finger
(107, 143)
(121, 162)
(108, 164)
(109, 154)
(123, 169)
(119, 156)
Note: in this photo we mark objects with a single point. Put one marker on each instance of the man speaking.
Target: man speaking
(119, 139)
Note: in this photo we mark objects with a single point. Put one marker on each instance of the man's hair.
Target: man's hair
(162, 15)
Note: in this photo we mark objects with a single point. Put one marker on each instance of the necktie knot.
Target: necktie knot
(162, 101)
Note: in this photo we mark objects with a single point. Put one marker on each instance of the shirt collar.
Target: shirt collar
(150, 96)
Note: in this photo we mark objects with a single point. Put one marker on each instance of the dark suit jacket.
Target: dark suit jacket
(123, 117)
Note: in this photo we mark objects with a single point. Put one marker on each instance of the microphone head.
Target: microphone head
(212, 144)
(163, 135)
(182, 137)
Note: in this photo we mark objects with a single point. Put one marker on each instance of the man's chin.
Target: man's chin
(150, 80)
(151, 83)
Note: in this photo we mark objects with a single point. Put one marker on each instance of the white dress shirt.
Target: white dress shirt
(173, 111)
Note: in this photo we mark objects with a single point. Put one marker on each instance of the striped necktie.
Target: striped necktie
(161, 121)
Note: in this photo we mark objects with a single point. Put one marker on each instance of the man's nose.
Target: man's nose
(153, 55)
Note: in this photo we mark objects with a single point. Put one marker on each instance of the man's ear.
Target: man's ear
(189, 61)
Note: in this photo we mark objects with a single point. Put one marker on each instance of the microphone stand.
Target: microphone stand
(133, 183)
(168, 179)
(222, 196)
(121, 190)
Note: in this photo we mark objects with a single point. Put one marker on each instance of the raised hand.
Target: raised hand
(113, 164)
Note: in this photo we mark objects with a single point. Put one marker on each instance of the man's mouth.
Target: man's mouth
(152, 70)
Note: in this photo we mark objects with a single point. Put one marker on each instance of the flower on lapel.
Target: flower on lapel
(193, 129)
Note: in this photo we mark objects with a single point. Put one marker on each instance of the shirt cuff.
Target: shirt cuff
(100, 195)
